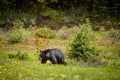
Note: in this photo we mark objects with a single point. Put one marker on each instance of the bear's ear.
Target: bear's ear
(47, 51)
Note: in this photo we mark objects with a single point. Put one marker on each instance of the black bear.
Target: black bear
(56, 56)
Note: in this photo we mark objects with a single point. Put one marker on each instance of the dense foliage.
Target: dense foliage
(33, 12)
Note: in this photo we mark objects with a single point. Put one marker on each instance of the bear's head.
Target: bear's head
(44, 55)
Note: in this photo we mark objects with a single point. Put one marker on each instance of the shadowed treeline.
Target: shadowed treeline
(56, 13)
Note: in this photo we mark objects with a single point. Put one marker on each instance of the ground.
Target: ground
(34, 70)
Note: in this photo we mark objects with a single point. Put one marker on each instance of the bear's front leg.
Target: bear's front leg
(53, 59)
(43, 61)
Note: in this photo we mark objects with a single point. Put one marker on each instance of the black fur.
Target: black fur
(56, 56)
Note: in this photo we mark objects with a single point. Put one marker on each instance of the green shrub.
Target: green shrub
(45, 32)
(17, 35)
(12, 54)
(81, 47)
(21, 55)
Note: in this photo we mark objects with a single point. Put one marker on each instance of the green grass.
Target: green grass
(32, 69)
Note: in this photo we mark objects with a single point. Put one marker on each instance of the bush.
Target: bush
(81, 47)
(21, 55)
(113, 35)
(68, 33)
(12, 54)
(45, 32)
(17, 35)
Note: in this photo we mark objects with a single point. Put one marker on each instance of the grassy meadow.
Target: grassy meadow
(15, 68)
(32, 69)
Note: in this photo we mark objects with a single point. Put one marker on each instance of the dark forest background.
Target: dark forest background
(56, 13)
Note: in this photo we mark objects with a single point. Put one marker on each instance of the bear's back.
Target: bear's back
(57, 52)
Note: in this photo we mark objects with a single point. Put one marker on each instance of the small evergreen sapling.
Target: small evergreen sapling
(81, 47)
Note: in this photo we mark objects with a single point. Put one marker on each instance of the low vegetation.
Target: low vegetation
(67, 33)
(14, 69)
(17, 35)
(21, 55)
(45, 33)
